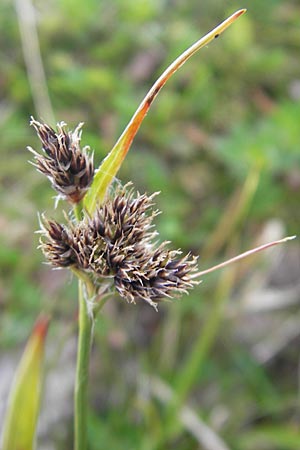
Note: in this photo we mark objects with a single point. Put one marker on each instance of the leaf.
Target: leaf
(23, 406)
(111, 164)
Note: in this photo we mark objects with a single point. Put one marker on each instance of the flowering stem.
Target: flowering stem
(82, 372)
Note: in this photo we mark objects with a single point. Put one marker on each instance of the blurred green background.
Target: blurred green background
(222, 144)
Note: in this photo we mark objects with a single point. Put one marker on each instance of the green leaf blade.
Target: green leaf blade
(112, 163)
(21, 418)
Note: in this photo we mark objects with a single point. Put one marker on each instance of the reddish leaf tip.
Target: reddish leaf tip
(239, 13)
(41, 326)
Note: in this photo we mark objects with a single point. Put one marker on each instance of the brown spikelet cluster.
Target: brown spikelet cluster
(69, 168)
(118, 243)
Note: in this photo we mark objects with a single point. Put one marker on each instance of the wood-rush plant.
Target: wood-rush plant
(108, 239)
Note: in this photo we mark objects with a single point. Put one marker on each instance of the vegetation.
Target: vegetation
(222, 145)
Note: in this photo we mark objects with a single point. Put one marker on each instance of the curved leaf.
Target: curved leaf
(111, 164)
(24, 400)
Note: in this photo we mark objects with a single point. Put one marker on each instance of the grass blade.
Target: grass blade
(111, 164)
(21, 418)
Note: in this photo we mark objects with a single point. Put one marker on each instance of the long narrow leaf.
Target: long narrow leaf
(21, 418)
(111, 164)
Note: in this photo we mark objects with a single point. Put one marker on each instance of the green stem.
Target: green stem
(85, 279)
(78, 211)
(82, 372)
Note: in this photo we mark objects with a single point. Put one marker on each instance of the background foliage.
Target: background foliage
(221, 143)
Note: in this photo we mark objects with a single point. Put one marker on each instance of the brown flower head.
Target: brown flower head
(118, 243)
(64, 245)
(69, 168)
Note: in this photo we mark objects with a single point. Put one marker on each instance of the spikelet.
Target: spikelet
(118, 243)
(69, 168)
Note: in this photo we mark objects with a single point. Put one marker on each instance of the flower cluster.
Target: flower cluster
(69, 168)
(118, 243)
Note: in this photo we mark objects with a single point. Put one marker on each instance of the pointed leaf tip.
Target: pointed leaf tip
(239, 13)
(245, 254)
(41, 327)
(290, 238)
(113, 161)
(23, 405)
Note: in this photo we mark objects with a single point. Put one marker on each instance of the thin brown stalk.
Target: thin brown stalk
(243, 255)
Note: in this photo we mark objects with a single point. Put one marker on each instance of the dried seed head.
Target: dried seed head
(69, 168)
(58, 244)
(65, 245)
(118, 243)
(154, 275)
